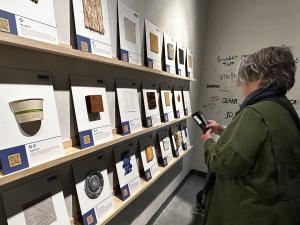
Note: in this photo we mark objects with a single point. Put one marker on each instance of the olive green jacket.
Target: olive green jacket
(257, 166)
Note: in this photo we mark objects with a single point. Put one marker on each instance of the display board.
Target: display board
(127, 169)
(129, 106)
(181, 59)
(31, 131)
(39, 201)
(153, 45)
(178, 101)
(92, 26)
(150, 99)
(148, 155)
(91, 110)
(93, 189)
(189, 62)
(187, 100)
(32, 19)
(186, 143)
(129, 31)
(166, 96)
(170, 53)
(176, 139)
(165, 146)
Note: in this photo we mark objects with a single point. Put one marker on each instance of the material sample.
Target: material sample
(93, 15)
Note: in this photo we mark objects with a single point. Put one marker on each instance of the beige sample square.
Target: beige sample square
(4, 25)
(130, 30)
(154, 43)
(190, 61)
(167, 98)
(14, 160)
(149, 153)
(93, 15)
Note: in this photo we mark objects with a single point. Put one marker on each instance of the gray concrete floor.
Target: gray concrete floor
(179, 211)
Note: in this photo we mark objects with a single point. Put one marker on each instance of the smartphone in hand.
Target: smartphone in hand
(200, 120)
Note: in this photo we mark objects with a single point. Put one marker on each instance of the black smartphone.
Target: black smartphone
(200, 120)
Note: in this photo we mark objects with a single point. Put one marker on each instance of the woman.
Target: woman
(257, 157)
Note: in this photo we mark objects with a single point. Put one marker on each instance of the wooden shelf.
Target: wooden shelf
(72, 153)
(25, 43)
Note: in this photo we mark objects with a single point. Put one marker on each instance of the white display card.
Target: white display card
(93, 189)
(170, 53)
(185, 135)
(176, 135)
(179, 111)
(148, 155)
(40, 201)
(187, 102)
(129, 106)
(153, 44)
(150, 98)
(129, 30)
(30, 133)
(127, 169)
(92, 27)
(94, 128)
(189, 63)
(32, 19)
(181, 58)
(166, 96)
(165, 146)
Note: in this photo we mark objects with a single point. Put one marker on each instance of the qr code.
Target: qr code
(4, 25)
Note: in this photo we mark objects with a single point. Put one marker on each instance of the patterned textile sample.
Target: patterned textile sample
(94, 183)
(166, 144)
(130, 30)
(93, 15)
(127, 166)
(151, 100)
(154, 43)
(170, 50)
(178, 139)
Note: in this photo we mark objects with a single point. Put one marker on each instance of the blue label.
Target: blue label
(84, 44)
(148, 175)
(165, 161)
(90, 218)
(8, 22)
(125, 193)
(149, 121)
(126, 128)
(168, 68)
(124, 55)
(86, 139)
(14, 159)
(150, 63)
(166, 117)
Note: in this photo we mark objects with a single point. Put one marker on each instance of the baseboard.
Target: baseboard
(198, 173)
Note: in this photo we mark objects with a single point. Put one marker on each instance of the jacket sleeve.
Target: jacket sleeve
(235, 152)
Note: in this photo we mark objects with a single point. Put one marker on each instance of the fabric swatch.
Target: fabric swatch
(93, 15)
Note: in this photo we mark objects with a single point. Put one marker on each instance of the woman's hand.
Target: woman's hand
(207, 135)
(215, 127)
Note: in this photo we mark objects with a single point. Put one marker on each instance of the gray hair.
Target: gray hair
(269, 65)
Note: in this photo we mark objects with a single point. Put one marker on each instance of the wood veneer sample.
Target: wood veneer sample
(181, 56)
(167, 98)
(130, 30)
(190, 61)
(151, 100)
(170, 50)
(149, 153)
(93, 15)
(154, 43)
(94, 103)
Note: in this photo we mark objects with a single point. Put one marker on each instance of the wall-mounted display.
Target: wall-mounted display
(92, 27)
(187, 102)
(150, 97)
(166, 97)
(93, 189)
(169, 54)
(176, 139)
(28, 114)
(127, 169)
(148, 155)
(189, 62)
(181, 56)
(30, 19)
(178, 101)
(153, 46)
(91, 110)
(165, 146)
(129, 106)
(27, 204)
(129, 30)
(185, 135)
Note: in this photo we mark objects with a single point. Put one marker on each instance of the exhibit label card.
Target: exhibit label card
(177, 143)
(189, 62)
(93, 189)
(150, 97)
(40, 201)
(178, 104)
(187, 103)
(127, 169)
(28, 114)
(181, 56)
(153, 44)
(32, 19)
(91, 109)
(170, 53)
(129, 30)
(166, 150)
(92, 27)
(149, 161)
(166, 97)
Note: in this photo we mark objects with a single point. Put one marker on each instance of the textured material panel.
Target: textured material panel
(149, 153)
(130, 30)
(93, 15)
(154, 43)
(181, 56)
(170, 49)
(151, 100)
(167, 98)
(94, 103)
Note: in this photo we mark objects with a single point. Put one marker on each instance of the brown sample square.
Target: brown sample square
(94, 103)
(178, 98)
(130, 30)
(151, 99)
(181, 56)
(4, 25)
(149, 153)
(167, 98)
(14, 160)
(93, 15)
(190, 61)
(154, 43)
(170, 50)
(178, 139)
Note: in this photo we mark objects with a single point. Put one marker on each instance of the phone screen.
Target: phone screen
(200, 120)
